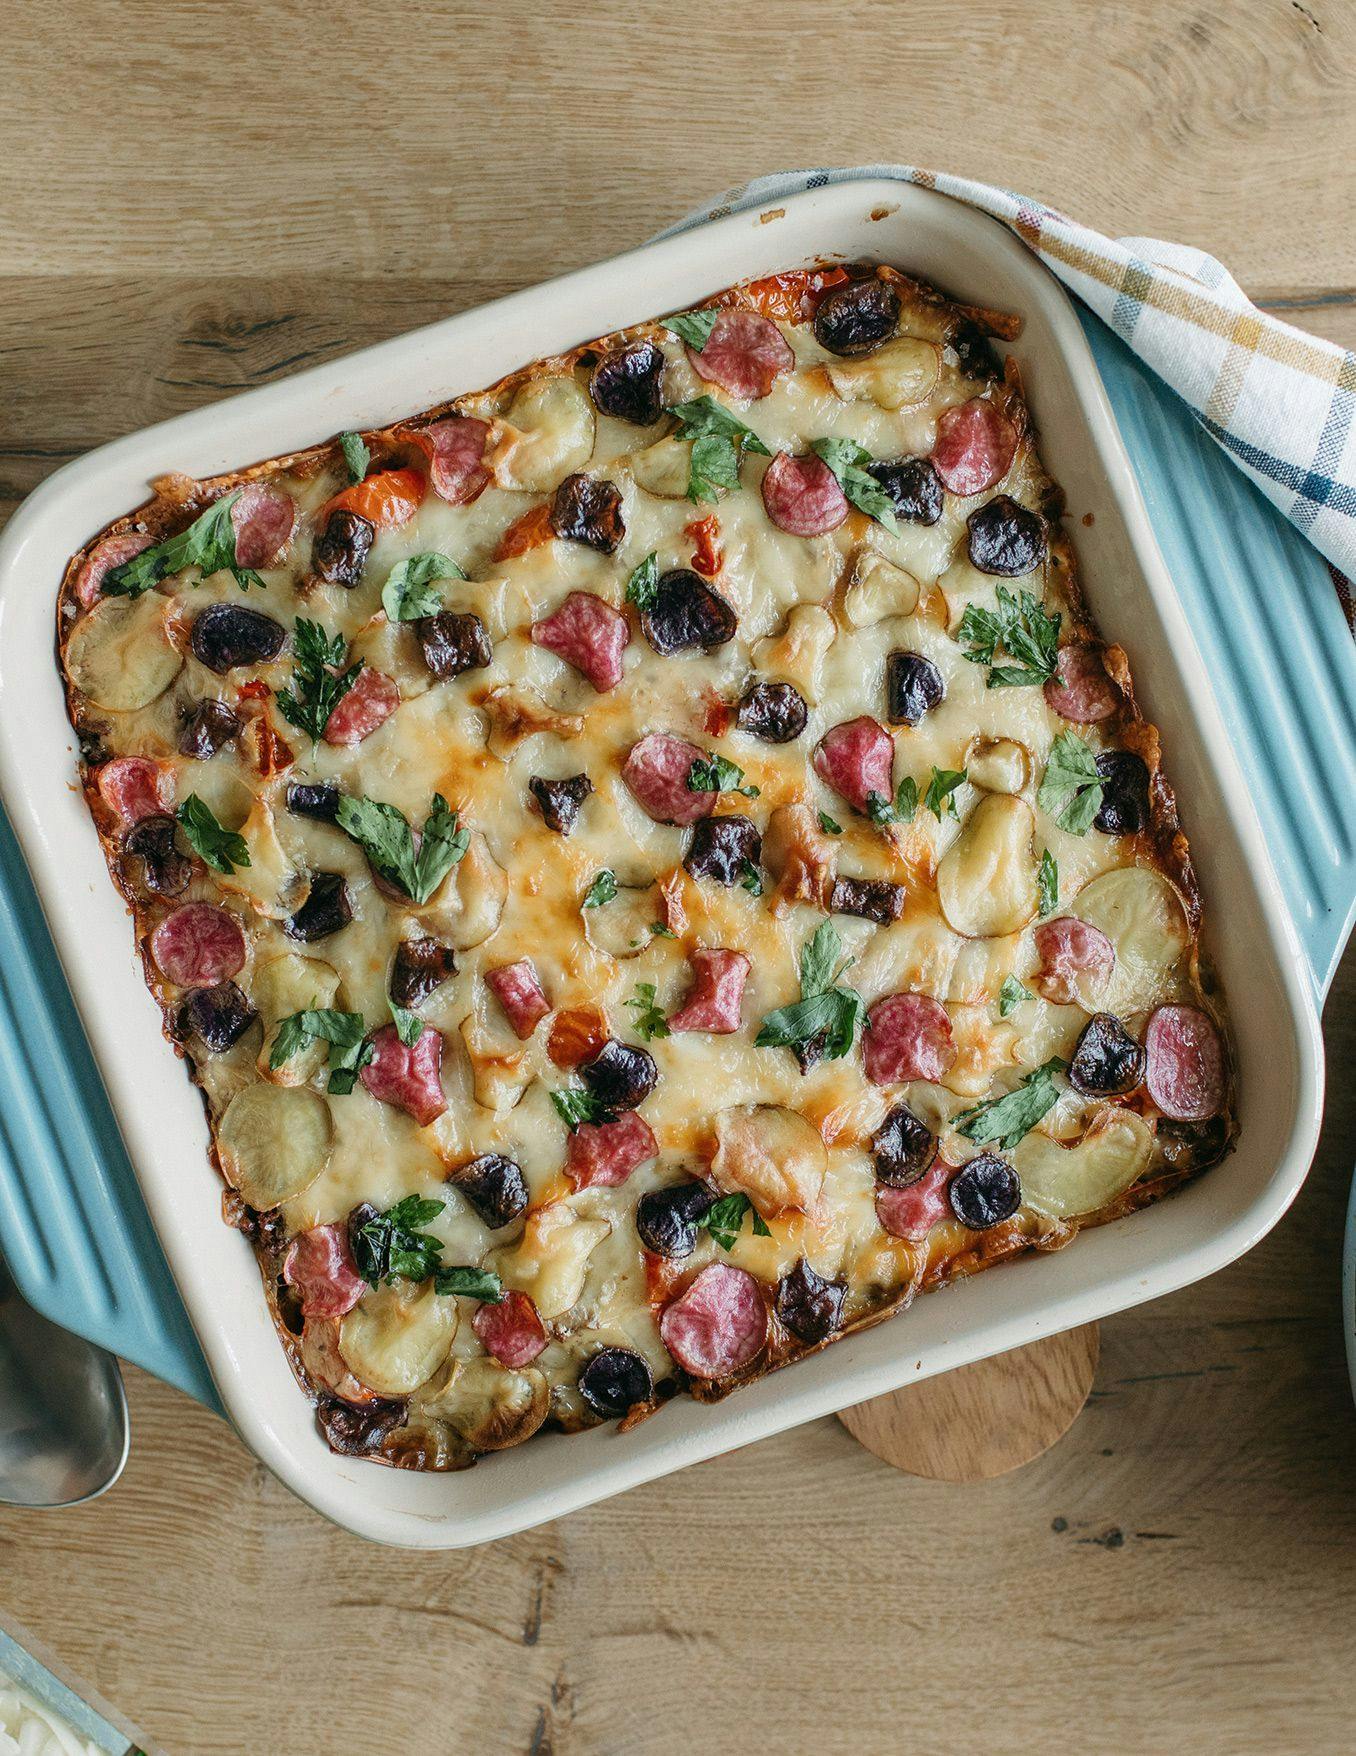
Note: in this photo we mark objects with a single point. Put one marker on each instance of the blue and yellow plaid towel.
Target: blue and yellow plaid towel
(1278, 402)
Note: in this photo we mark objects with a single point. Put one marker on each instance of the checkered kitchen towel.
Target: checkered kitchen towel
(1279, 403)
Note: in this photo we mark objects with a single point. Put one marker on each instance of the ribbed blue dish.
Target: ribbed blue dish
(76, 1233)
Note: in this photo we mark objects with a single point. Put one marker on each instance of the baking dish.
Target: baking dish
(1259, 959)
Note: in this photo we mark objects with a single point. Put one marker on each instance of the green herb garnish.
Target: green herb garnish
(823, 1008)
(603, 889)
(725, 1217)
(469, 1283)
(221, 849)
(576, 1107)
(392, 1245)
(409, 1025)
(650, 1021)
(847, 460)
(940, 796)
(882, 813)
(751, 878)
(827, 824)
(693, 327)
(719, 442)
(660, 931)
(208, 544)
(717, 774)
(320, 685)
(356, 455)
(349, 1047)
(1025, 632)
(643, 586)
(1010, 1118)
(1047, 884)
(384, 835)
(1071, 788)
(408, 592)
(1011, 995)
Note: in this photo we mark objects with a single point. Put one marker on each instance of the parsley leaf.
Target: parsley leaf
(643, 586)
(1024, 631)
(576, 1107)
(847, 460)
(650, 1021)
(693, 327)
(827, 824)
(392, 1245)
(719, 442)
(408, 592)
(660, 931)
(823, 1006)
(409, 1025)
(1011, 995)
(940, 796)
(384, 835)
(714, 465)
(470, 1283)
(603, 889)
(356, 455)
(1071, 788)
(717, 774)
(882, 813)
(1047, 884)
(752, 879)
(318, 689)
(208, 544)
(221, 849)
(1010, 1118)
(346, 1034)
(725, 1217)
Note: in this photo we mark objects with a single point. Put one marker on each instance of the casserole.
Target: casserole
(1151, 1252)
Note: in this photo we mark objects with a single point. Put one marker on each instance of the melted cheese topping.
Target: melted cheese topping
(822, 613)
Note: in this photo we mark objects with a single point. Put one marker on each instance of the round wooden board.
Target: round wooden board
(982, 1420)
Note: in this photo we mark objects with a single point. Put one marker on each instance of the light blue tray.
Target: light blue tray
(76, 1233)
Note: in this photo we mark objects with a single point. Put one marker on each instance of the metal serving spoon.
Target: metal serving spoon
(63, 1415)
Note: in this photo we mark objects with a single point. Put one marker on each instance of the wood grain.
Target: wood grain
(982, 1420)
(211, 195)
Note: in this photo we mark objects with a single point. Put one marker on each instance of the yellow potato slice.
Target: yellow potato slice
(120, 654)
(1065, 1181)
(550, 428)
(877, 589)
(284, 985)
(491, 1406)
(621, 928)
(274, 1141)
(986, 881)
(998, 765)
(396, 1337)
(551, 1258)
(469, 903)
(773, 1155)
(898, 375)
(1142, 915)
(663, 468)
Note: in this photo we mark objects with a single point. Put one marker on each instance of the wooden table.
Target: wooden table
(202, 197)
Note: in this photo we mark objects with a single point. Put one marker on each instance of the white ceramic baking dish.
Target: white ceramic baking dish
(1250, 937)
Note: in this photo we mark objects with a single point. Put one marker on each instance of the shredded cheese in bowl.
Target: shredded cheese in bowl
(27, 1728)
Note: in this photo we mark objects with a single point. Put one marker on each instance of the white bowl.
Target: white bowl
(1248, 933)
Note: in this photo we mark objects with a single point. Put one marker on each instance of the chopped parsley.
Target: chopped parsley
(393, 1246)
(824, 1007)
(603, 889)
(660, 931)
(827, 824)
(349, 1047)
(408, 592)
(719, 442)
(693, 327)
(940, 797)
(470, 1283)
(1071, 788)
(847, 460)
(1047, 884)
(208, 544)
(1010, 1118)
(882, 813)
(384, 835)
(717, 774)
(356, 455)
(576, 1107)
(1025, 632)
(221, 849)
(1011, 995)
(643, 586)
(650, 1021)
(751, 878)
(725, 1217)
(409, 1025)
(319, 684)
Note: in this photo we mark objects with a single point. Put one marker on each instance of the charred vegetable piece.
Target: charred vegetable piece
(686, 614)
(355, 1432)
(985, 1193)
(856, 317)
(319, 801)
(1004, 538)
(421, 967)
(808, 1305)
(217, 1017)
(774, 712)
(209, 728)
(620, 1075)
(588, 510)
(667, 1219)
(1192, 1146)
(902, 1148)
(453, 642)
(165, 870)
(626, 383)
(559, 801)
(341, 549)
(495, 1188)
(1125, 793)
(615, 1380)
(810, 1052)
(974, 351)
(1107, 1061)
(226, 636)
(325, 910)
(913, 687)
(914, 487)
(723, 848)
(871, 899)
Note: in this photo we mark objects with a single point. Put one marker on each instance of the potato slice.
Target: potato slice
(1142, 915)
(501, 1070)
(274, 1141)
(550, 428)
(469, 903)
(1065, 1181)
(986, 881)
(120, 654)
(998, 765)
(898, 375)
(396, 1337)
(773, 1155)
(664, 468)
(621, 928)
(284, 985)
(551, 1258)
(796, 654)
(877, 589)
(272, 883)
(491, 1406)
